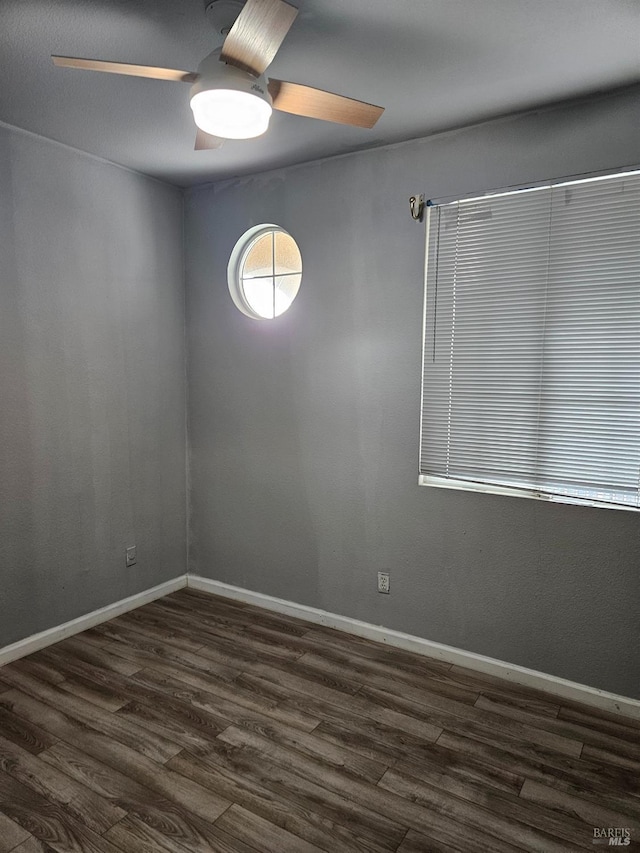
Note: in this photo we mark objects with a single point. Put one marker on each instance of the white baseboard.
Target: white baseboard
(560, 687)
(54, 635)
(551, 684)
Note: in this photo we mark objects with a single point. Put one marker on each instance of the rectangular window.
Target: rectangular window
(531, 379)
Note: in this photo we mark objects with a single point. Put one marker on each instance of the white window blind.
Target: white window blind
(531, 381)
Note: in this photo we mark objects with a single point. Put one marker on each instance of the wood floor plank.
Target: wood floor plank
(37, 668)
(622, 716)
(300, 805)
(56, 724)
(226, 701)
(492, 685)
(248, 659)
(47, 821)
(23, 732)
(373, 740)
(460, 784)
(395, 749)
(227, 658)
(303, 679)
(425, 693)
(620, 727)
(543, 703)
(326, 705)
(403, 804)
(384, 727)
(447, 835)
(156, 777)
(327, 657)
(71, 671)
(269, 634)
(80, 802)
(257, 620)
(194, 731)
(563, 728)
(456, 717)
(533, 830)
(138, 767)
(337, 755)
(181, 639)
(209, 631)
(33, 845)
(123, 638)
(103, 779)
(96, 695)
(451, 772)
(207, 638)
(11, 834)
(190, 601)
(530, 759)
(295, 683)
(134, 835)
(138, 647)
(382, 673)
(261, 834)
(537, 707)
(334, 649)
(265, 623)
(81, 714)
(414, 842)
(344, 643)
(616, 788)
(93, 741)
(184, 606)
(606, 757)
(77, 647)
(169, 820)
(491, 682)
(593, 814)
(178, 721)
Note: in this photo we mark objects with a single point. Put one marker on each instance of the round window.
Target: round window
(265, 271)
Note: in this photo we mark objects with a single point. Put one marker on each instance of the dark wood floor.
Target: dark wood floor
(198, 724)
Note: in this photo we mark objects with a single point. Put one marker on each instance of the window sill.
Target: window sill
(511, 491)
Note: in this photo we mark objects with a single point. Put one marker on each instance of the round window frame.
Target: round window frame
(236, 264)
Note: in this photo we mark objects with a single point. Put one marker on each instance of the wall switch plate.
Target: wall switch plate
(383, 582)
(131, 556)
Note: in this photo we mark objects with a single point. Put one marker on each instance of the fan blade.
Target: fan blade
(258, 32)
(122, 68)
(206, 142)
(316, 103)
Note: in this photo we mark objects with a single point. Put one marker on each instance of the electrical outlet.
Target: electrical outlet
(131, 556)
(383, 582)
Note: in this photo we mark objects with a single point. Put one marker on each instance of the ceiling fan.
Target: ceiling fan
(230, 96)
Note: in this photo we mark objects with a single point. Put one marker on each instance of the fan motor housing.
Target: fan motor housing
(214, 74)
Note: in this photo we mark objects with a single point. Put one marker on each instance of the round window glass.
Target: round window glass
(265, 271)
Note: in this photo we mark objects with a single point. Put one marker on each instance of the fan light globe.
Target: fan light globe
(230, 113)
(228, 101)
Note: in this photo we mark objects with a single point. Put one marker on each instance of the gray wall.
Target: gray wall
(92, 388)
(304, 431)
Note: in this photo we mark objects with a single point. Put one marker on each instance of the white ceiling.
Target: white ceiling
(434, 65)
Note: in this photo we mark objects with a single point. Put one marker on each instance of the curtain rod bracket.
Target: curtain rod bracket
(416, 206)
